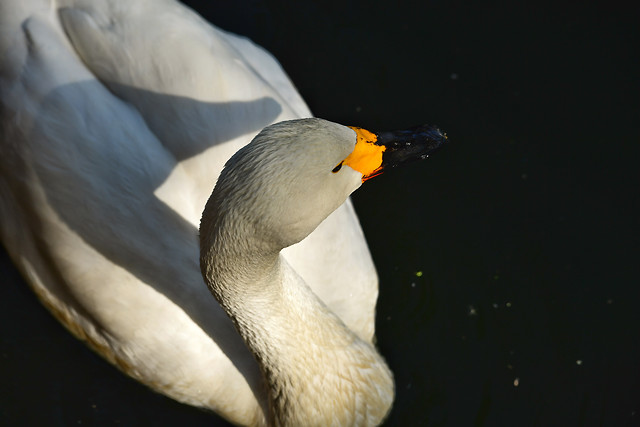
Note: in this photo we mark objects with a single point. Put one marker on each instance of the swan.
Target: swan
(117, 118)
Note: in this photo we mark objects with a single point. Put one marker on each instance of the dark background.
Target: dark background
(525, 227)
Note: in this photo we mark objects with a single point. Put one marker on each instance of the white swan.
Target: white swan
(117, 118)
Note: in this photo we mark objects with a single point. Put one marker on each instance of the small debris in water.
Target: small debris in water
(472, 310)
(495, 305)
(508, 304)
(579, 362)
(413, 284)
(516, 382)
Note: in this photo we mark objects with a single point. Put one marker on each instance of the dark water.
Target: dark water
(525, 228)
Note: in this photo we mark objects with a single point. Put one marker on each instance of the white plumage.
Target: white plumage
(117, 118)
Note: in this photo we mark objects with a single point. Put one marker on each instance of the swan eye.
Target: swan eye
(337, 168)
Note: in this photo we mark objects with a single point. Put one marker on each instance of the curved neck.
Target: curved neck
(317, 371)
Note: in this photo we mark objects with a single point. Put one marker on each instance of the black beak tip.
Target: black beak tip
(430, 135)
(411, 144)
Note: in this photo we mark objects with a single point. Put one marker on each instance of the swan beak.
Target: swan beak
(377, 151)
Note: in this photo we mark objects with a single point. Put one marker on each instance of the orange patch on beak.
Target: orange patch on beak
(366, 157)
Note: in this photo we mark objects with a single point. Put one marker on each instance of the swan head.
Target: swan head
(295, 173)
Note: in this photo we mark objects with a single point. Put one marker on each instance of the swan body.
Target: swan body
(116, 119)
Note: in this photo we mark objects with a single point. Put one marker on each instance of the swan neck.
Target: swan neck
(314, 367)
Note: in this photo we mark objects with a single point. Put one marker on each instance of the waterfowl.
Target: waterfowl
(117, 118)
